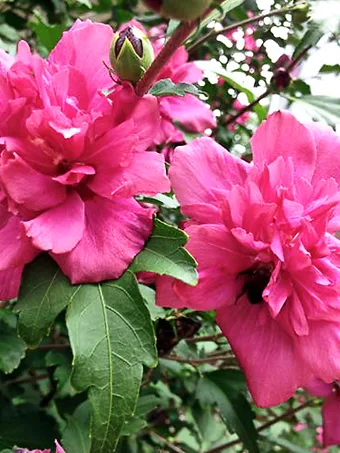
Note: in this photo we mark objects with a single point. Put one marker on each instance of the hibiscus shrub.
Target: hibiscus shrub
(169, 211)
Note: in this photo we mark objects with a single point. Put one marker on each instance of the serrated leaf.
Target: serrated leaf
(223, 387)
(321, 107)
(111, 335)
(164, 254)
(12, 348)
(167, 87)
(44, 293)
(76, 437)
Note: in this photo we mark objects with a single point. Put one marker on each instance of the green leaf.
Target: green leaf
(310, 38)
(229, 77)
(12, 348)
(165, 255)
(111, 335)
(76, 437)
(149, 296)
(62, 361)
(321, 107)
(220, 12)
(44, 293)
(167, 87)
(48, 35)
(30, 430)
(223, 387)
(288, 446)
(329, 68)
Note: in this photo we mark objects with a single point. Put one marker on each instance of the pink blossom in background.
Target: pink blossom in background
(241, 120)
(59, 449)
(267, 259)
(72, 160)
(193, 114)
(330, 434)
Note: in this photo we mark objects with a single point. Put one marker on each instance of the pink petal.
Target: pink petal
(282, 135)
(115, 232)
(30, 188)
(327, 143)
(10, 280)
(323, 336)
(165, 293)
(143, 111)
(316, 387)
(85, 46)
(201, 168)
(265, 352)
(145, 175)
(59, 448)
(59, 229)
(331, 420)
(192, 113)
(15, 248)
(75, 175)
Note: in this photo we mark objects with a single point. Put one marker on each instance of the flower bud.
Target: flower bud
(281, 79)
(131, 54)
(179, 9)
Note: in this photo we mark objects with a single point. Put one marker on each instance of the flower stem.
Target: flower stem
(180, 35)
(252, 20)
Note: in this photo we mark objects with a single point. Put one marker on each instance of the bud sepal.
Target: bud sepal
(131, 54)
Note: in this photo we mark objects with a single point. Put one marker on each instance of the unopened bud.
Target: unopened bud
(281, 79)
(131, 54)
(179, 9)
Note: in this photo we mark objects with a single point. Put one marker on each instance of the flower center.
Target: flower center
(256, 278)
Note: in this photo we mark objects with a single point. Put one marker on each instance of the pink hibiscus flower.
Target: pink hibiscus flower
(71, 168)
(193, 114)
(59, 449)
(267, 260)
(330, 410)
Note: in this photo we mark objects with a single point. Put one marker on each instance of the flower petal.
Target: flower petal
(201, 169)
(10, 280)
(266, 353)
(115, 231)
(331, 420)
(30, 188)
(58, 229)
(282, 135)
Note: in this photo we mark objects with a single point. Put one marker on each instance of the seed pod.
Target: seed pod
(179, 9)
(131, 54)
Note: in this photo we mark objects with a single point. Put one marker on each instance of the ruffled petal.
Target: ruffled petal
(331, 420)
(59, 229)
(10, 280)
(201, 169)
(145, 175)
(282, 135)
(115, 231)
(266, 353)
(30, 188)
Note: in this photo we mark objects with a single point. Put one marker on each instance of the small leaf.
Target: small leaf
(219, 13)
(165, 255)
(223, 387)
(166, 87)
(321, 107)
(76, 436)
(44, 293)
(12, 348)
(111, 334)
(310, 38)
(48, 35)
